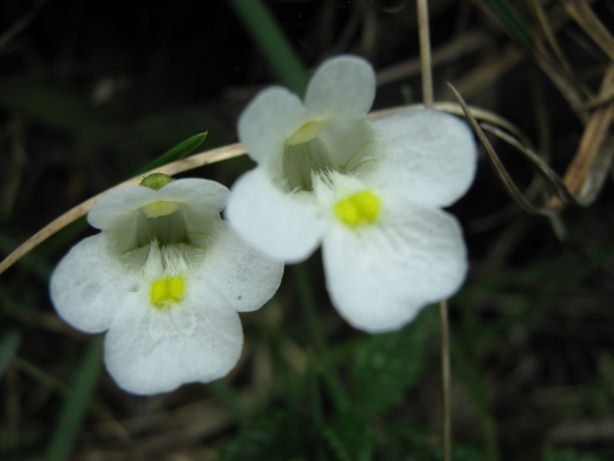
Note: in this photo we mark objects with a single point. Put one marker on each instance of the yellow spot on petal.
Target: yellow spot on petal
(361, 208)
(159, 208)
(306, 132)
(166, 291)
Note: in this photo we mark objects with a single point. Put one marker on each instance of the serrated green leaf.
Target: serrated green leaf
(386, 366)
(266, 439)
(350, 438)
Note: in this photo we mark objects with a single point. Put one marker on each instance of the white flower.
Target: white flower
(166, 277)
(370, 192)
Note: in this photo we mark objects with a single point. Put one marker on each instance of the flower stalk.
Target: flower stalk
(445, 380)
(427, 95)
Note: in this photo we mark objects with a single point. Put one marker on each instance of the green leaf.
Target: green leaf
(9, 342)
(310, 312)
(29, 262)
(415, 443)
(386, 366)
(40, 375)
(273, 44)
(180, 151)
(568, 454)
(267, 438)
(76, 403)
(54, 107)
(473, 380)
(350, 438)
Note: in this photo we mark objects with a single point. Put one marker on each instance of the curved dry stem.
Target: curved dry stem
(180, 166)
(552, 178)
(224, 153)
(457, 109)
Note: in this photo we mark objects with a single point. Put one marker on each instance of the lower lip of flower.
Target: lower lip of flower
(361, 208)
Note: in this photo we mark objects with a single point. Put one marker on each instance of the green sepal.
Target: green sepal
(156, 180)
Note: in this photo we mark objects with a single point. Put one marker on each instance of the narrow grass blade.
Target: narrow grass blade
(511, 19)
(583, 14)
(59, 109)
(181, 150)
(504, 176)
(76, 403)
(273, 44)
(549, 33)
(40, 375)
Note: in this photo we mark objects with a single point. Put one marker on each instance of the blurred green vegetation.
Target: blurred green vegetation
(89, 94)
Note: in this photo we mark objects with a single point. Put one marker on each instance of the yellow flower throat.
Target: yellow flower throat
(166, 291)
(361, 208)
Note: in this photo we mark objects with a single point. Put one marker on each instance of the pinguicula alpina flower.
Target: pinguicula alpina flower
(370, 192)
(166, 277)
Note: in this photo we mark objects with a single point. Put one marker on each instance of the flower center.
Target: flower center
(320, 146)
(166, 291)
(162, 221)
(361, 208)
(302, 160)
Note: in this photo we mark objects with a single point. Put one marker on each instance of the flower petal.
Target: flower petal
(197, 193)
(281, 225)
(380, 276)
(342, 87)
(245, 278)
(429, 154)
(88, 286)
(149, 350)
(118, 204)
(266, 122)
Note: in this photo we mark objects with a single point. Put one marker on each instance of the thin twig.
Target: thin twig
(189, 163)
(20, 25)
(217, 155)
(445, 380)
(425, 52)
(457, 109)
(553, 181)
(466, 44)
(427, 98)
(503, 174)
